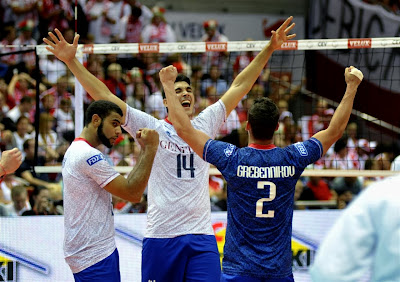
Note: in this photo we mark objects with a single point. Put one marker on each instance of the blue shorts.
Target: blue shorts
(105, 270)
(183, 258)
(230, 278)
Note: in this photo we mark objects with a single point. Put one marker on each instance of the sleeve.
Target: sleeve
(346, 252)
(146, 33)
(136, 120)
(305, 153)
(94, 164)
(210, 119)
(219, 154)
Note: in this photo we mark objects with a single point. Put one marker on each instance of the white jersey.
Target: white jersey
(178, 196)
(88, 217)
(366, 237)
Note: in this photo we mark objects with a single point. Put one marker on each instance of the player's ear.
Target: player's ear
(96, 120)
(247, 126)
(165, 102)
(277, 126)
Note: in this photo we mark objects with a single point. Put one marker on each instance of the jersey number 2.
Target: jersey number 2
(181, 163)
(260, 202)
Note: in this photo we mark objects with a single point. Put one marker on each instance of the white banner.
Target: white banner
(237, 27)
(356, 19)
(31, 248)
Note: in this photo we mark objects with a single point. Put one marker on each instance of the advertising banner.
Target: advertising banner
(31, 248)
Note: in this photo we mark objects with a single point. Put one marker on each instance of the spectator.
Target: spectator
(65, 119)
(340, 159)
(115, 82)
(20, 201)
(27, 172)
(214, 79)
(50, 145)
(23, 109)
(158, 30)
(100, 22)
(52, 69)
(347, 184)
(42, 204)
(25, 39)
(320, 189)
(8, 61)
(23, 133)
(212, 34)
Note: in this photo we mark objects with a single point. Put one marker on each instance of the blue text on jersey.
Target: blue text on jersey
(96, 158)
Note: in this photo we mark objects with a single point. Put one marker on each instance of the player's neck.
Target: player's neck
(90, 137)
(260, 141)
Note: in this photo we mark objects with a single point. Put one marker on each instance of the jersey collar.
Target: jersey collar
(83, 139)
(262, 147)
(167, 121)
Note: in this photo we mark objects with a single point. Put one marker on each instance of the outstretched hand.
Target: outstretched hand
(168, 74)
(281, 34)
(63, 50)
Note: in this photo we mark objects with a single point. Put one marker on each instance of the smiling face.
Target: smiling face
(109, 129)
(185, 95)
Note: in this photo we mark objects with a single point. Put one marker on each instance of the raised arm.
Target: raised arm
(245, 80)
(341, 116)
(132, 188)
(196, 139)
(66, 52)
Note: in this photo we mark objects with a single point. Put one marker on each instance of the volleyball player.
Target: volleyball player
(364, 239)
(89, 180)
(179, 243)
(261, 181)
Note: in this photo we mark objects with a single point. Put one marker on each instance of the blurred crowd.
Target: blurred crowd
(134, 79)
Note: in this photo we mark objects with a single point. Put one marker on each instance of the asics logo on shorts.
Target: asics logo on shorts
(96, 158)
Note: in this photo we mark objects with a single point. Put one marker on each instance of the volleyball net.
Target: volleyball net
(304, 78)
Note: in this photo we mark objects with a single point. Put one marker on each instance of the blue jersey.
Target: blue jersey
(261, 183)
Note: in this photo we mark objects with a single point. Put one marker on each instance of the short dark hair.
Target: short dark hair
(102, 108)
(263, 118)
(25, 146)
(180, 77)
(26, 99)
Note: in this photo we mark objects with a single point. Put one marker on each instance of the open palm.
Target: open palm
(281, 34)
(63, 50)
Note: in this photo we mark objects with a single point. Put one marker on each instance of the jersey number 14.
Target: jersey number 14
(182, 164)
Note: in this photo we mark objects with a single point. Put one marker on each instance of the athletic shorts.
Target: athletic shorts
(105, 270)
(231, 278)
(183, 258)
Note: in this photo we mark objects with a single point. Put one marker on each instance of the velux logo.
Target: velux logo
(216, 46)
(359, 43)
(149, 48)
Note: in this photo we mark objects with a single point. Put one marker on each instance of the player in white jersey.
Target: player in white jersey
(89, 181)
(179, 220)
(261, 181)
(365, 238)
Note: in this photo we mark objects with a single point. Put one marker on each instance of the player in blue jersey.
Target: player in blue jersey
(179, 212)
(261, 181)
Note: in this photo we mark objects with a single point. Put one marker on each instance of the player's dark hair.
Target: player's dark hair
(180, 77)
(263, 118)
(102, 108)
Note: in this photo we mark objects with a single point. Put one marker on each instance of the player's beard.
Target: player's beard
(102, 136)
